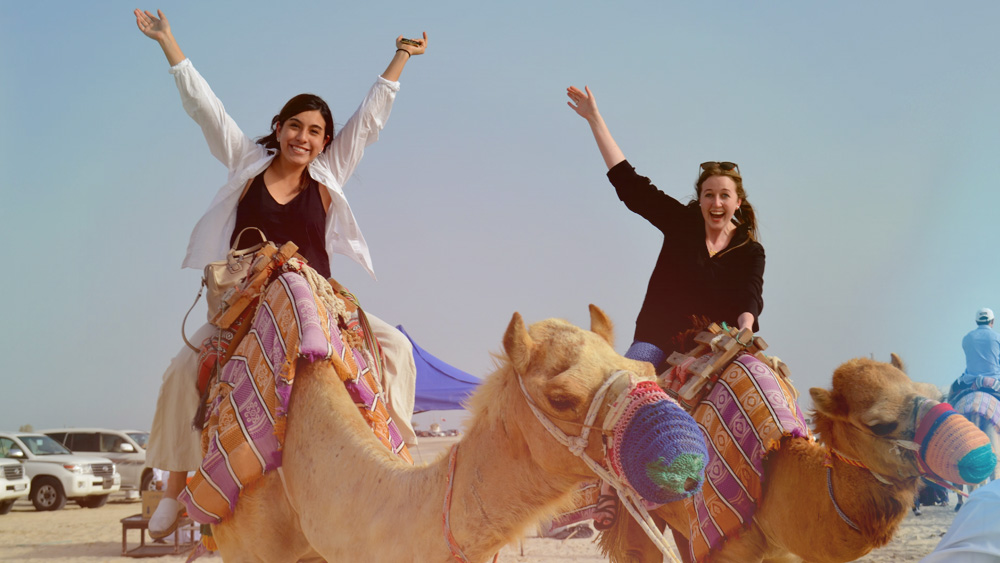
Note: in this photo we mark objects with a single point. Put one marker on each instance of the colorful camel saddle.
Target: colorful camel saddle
(745, 416)
(247, 406)
(980, 398)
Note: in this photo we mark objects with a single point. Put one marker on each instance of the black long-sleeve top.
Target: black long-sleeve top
(686, 281)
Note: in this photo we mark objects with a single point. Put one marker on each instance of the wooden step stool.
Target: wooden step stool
(185, 527)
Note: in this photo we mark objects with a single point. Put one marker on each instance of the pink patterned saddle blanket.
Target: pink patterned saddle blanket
(244, 431)
(746, 416)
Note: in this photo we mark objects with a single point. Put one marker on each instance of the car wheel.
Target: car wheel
(47, 494)
(95, 501)
(147, 482)
(6, 505)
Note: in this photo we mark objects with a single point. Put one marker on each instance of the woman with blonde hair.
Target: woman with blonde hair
(710, 265)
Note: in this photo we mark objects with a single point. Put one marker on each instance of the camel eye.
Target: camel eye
(563, 401)
(883, 429)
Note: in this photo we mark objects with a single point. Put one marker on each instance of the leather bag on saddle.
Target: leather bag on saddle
(234, 283)
(221, 276)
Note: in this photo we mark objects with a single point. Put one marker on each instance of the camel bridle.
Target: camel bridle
(904, 448)
(577, 445)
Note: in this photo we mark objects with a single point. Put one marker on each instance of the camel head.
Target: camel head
(562, 368)
(876, 414)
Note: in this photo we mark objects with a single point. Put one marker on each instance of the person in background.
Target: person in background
(982, 349)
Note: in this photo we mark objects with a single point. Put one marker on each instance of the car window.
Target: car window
(140, 438)
(43, 445)
(5, 445)
(57, 436)
(111, 443)
(83, 441)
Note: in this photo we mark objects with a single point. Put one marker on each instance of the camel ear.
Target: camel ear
(897, 362)
(601, 324)
(517, 343)
(825, 403)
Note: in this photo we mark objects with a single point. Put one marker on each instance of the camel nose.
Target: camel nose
(977, 465)
(660, 449)
(954, 448)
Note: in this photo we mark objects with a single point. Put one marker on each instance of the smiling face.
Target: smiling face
(302, 137)
(718, 201)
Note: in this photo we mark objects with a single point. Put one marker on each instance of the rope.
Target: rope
(829, 488)
(856, 463)
(324, 292)
(578, 444)
(453, 546)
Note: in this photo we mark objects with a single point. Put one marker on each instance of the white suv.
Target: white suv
(57, 474)
(13, 484)
(124, 447)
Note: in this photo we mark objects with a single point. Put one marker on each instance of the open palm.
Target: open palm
(156, 28)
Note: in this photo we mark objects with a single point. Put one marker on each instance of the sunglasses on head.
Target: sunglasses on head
(726, 166)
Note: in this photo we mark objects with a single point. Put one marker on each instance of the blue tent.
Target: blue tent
(440, 387)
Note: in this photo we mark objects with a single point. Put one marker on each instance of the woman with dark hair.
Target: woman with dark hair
(289, 184)
(710, 266)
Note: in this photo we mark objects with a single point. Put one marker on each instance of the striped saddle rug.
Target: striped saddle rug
(984, 403)
(247, 406)
(745, 416)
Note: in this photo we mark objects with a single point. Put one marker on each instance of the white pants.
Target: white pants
(175, 445)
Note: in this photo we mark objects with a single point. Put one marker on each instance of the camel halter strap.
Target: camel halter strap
(857, 463)
(829, 489)
(577, 445)
(456, 551)
(909, 445)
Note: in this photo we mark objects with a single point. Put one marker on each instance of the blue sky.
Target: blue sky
(866, 134)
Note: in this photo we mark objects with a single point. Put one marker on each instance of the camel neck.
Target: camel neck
(495, 485)
(859, 494)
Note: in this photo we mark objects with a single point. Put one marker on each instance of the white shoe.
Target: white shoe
(164, 520)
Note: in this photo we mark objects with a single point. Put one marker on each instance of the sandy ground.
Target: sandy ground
(78, 535)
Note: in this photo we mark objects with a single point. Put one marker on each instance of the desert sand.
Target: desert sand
(79, 535)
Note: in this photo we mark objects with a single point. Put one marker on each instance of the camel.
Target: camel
(971, 405)
(343, 496)
(867, 421)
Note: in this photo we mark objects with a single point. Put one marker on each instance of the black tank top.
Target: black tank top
(302, 221)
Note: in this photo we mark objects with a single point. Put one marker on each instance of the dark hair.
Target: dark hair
(745, 214)
(293, 107)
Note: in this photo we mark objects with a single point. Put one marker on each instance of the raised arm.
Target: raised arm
(403, 53)
(362, 129)
(225, 139)
(158, 29)
(585, 106)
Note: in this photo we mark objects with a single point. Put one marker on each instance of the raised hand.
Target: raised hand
(399, 60)
(412, 49)
(584, 104)
(156, 28)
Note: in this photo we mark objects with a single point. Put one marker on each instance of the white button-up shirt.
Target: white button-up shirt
(245, 159)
